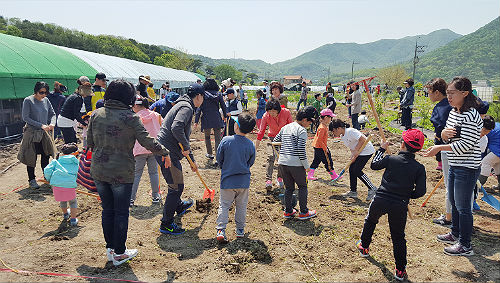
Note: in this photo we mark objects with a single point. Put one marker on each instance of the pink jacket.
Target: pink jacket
(151, 121)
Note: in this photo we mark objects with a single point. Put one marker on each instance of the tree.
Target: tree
(393, 76)
(225, 71)
(209, 70)
(13, 30)
(195, 65)
(251, 77)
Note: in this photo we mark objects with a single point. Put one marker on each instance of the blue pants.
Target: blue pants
(173, 177)
(355, 124)
(406, 119)
(461, 183)
(115, 201)
(300, 101)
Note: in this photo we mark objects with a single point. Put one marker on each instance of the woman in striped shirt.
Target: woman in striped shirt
(461, 134)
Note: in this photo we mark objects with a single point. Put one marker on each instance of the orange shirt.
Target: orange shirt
(321, 137)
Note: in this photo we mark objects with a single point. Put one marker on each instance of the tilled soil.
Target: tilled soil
(34, 236)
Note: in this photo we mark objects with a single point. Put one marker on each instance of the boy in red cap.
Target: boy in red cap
(403, 179)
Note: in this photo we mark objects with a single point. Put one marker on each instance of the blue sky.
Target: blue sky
(268, 30)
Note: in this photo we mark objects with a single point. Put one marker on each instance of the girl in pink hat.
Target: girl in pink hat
(321, 151)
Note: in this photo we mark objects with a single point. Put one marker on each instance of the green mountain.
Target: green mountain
(476, 56)
(339, 56)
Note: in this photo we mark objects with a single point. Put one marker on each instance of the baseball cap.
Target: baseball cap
(414, 138)
(327, 112)
(101, 76)
(229, 90)
(196, 89)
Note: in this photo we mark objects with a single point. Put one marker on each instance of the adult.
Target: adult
(437, 93)
(491, 130)
(233, 108)
(330, 97)
(277, 93)
(211, 120)
(71, 110)
(150, 90)
(57, 100)
(175, 130)
(275, 117)
(163, 90)
(348, 97)
(243, 97)
(462, 132)
(152, 122)
(98, 88)
(303, 95)
(407, 104)
(266, 89)
(142, 87)
(40, 118)
(112, 132)
(355, 106)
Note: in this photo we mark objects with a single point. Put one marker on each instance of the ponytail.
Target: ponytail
(337, 123)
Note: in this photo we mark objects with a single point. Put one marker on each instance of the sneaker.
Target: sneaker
(350, 194)
(362, 251)
(124, 257)
(459, 249)
(240, 233)
(67, 214)
(209, 156)
(447, 238)
(73, 221)
(475, 206)
(400, 275)
(185, 206)
(288, 215)
(171, 229)
(221, 236)
(279, 183)
(371, 195)
(309, 214)
(132, 203)
(110, 253)
(33, 184)
(269, 185)
(156, 200)
(441, 220)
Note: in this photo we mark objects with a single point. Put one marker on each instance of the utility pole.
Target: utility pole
(352, 69)
(328, 78)
(418, 49)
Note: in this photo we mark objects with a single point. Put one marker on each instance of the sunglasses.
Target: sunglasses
(42, 92)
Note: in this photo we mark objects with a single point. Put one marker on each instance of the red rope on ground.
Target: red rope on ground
(3, 194)
(66, 275)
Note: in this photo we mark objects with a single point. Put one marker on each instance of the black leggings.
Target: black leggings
(356, 171)
(319, 156)
(69, 134)
(43, 162)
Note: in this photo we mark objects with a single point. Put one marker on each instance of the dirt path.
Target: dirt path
(34, 237)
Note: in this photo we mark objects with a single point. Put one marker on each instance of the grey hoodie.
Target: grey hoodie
(176, 127)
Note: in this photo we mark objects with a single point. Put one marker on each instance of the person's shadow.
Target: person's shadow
(146, 212)
(304, 228)
(63, 232)
(349, 201)
(35, 194)
(386, 271)
(109, 271)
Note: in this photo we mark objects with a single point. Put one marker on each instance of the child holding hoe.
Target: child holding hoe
(235, 155)
(403, 179)
(61, 174)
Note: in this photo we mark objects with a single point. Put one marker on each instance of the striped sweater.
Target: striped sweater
(465, 150)
(293, 139)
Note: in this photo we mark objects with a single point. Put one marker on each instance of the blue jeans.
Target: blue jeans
(115, 201)
(300, 101)
(461, 183)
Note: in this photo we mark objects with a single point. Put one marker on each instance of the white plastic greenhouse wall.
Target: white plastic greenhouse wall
(130, 70)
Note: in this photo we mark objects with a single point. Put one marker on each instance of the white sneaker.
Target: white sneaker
(209, 156)
(124, 257)
(109, 254)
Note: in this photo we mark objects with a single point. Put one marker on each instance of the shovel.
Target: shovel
(491, 200)
(208, 194)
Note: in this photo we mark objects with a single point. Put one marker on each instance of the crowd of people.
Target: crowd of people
(128, 129)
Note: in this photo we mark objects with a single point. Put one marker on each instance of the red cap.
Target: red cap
(414, 138)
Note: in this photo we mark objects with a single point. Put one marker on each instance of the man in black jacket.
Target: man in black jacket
(403, 179)
(175, 130)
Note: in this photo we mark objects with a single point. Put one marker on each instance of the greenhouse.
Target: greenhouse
(23, 62)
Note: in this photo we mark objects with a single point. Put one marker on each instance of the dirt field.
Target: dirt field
(34, 236)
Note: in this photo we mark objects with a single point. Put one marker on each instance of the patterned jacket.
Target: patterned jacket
(112, 132)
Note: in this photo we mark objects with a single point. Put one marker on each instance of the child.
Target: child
(354, 139)
(275, 117)
(362, 119)
(233, 106)
(61, 173)
(292, 162)
(318, 105)
(491, 130)
(261, 107)
(321, 151)
(235, 155)
(403, 179)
